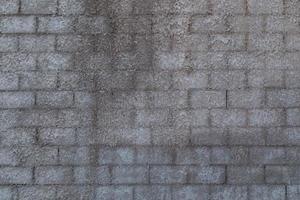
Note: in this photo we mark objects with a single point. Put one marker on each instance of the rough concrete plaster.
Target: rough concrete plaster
(149, 100)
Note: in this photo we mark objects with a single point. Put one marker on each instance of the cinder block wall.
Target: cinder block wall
(149, 99)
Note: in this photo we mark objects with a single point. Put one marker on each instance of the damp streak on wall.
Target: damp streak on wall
(149, 99)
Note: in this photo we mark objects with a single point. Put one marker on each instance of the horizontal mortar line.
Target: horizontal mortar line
(253, 165)
(138, 127)
(41, 106)
(58, 125)
(153, 108)
(110, 34)
(109, 15)
(53, 15)
(212, 33)
(57, 34)
(196, 69)
(145, 165)
(175, 109)
(152, 146)
(153, 13)
(146, 184)
(183, 70)
(163, 91)
(166, 91)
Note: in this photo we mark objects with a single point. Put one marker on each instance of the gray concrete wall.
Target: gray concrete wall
(149, 99)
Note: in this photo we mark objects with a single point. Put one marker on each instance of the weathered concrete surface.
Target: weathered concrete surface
(149, 100)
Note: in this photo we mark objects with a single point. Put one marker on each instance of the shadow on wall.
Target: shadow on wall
(131, 48)
(126, 52)
(121, 95)
(115, 65)
(113, 46)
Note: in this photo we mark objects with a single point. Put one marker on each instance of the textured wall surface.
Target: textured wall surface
(149, 99)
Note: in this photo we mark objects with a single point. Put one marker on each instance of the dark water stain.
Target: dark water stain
(124, 48)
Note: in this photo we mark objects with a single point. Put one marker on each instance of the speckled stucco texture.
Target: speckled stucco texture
(149, 99)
